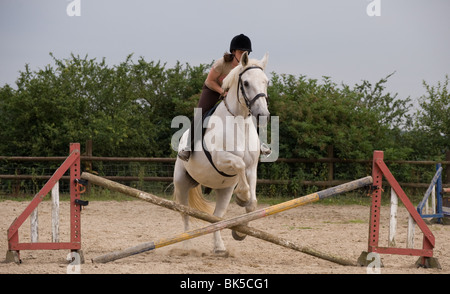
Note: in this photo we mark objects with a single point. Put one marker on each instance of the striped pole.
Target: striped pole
(247, 230)
(314, 197)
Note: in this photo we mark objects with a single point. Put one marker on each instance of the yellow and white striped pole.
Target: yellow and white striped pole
(314, 197)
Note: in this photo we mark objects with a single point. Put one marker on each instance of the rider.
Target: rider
(212, 90)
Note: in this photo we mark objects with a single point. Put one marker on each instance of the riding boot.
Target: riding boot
(185, 152)
(265, 150)
(196, 128)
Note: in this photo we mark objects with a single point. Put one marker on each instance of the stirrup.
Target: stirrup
(265, 150)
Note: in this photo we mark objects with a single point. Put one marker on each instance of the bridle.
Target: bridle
(248, 102)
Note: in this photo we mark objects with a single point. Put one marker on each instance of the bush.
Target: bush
(127, 109)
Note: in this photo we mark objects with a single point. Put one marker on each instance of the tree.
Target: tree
(433, 119)
(125, 109)
(355, 121)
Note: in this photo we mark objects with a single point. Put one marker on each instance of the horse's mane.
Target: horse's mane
(233, 76)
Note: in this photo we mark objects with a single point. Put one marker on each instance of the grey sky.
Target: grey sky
(311, 37)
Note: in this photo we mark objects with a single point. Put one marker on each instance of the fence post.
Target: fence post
(393, 219)
(88, 164)
(55, 212)
(330, 154)
(410, 233)
(34, 226)
(447, 168)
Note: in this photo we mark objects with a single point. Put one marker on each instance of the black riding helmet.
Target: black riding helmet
(241, 42)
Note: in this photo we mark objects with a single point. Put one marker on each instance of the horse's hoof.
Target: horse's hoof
(238, 236)
(242, 203)
(221, 253)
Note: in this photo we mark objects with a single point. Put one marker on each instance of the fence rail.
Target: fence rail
(330, 182)
(167, 159)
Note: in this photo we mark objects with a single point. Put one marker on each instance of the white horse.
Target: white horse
(233, 145)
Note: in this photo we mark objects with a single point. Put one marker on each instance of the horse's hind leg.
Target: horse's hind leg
(182, 184)
(251, 206)
(223, 197)
(181, 197)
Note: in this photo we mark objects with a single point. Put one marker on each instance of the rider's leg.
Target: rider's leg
(207, 100)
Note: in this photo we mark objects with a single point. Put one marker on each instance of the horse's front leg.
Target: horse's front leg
(231, 163)
(251, 178)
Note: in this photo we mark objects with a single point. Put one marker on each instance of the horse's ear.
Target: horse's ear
(244, 59)
(265, 60)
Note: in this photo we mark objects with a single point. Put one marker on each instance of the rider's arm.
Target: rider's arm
(211, 81)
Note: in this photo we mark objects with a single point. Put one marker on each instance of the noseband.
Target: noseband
(249, 102)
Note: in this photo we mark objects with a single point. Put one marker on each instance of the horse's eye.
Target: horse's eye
(246, 84)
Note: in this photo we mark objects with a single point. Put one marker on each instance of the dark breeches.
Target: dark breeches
(207, 100)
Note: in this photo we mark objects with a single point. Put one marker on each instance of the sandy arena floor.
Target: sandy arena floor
(110, 225)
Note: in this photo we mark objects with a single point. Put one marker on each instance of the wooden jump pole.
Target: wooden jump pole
(221, 224)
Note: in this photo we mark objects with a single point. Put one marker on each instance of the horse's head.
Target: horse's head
(251, 84)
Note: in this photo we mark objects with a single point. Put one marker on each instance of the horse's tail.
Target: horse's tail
(197, 201)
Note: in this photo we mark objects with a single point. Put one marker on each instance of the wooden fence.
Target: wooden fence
(87, 160)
